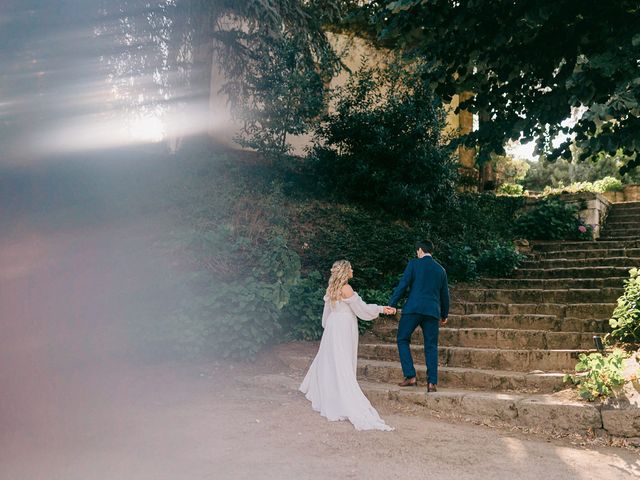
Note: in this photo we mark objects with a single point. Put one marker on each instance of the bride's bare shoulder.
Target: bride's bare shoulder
(347, 291)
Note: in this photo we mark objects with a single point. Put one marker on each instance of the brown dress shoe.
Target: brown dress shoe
(409, 382)
(431, 388)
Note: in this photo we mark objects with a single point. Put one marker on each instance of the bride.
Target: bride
(330, 383)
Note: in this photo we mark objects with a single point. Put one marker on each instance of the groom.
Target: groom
(427, 306)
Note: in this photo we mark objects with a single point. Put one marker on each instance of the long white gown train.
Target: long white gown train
(331, 384)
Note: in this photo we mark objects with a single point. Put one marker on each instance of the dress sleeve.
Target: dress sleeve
(364, 311)
(325, 313)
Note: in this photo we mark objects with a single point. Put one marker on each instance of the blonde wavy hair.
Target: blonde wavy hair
(339, 278)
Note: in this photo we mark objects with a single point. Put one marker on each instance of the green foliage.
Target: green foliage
(625, 321)
(601, 374)
(302, 317)
(282, 96)
(510, 189)
(376, 245)
(237, 293)
(508, 169)
(529, 64)
(459, 261)
(381, 143)
(551, 219)
(499, 260)
(562, 172)
(607, 184)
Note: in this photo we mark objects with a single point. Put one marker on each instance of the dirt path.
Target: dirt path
(73, 405)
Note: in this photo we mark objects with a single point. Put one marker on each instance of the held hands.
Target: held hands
(389, 311)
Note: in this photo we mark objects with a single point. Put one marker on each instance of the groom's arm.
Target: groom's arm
(444, 297)
(405, 281)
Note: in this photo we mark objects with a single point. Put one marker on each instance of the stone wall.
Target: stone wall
(594, 213)
(630, 193)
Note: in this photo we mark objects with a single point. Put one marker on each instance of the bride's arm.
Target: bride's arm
(362, 310)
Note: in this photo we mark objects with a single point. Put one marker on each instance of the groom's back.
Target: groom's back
(429, 293)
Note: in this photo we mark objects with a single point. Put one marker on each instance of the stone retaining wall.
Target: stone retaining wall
(630, 193)
(595, 212)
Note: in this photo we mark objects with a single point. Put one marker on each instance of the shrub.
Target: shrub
(551, 219)
(381, 145)
(237, 293)
(301, 318)
(512, 189)
(376, 245)
(499, 260)
(602, 374)
(608, 184)
(625, 321)
(459, 262)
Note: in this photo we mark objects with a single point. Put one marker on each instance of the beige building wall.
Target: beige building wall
(352, 50)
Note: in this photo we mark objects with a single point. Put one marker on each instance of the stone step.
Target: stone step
(468, 378)
(607, 233)
(484, 295)
(590, 254)
(572, 272)
(549, 413)
(617, 231)
(550, 323)
(556, 245)
(619, 238)
(558, 413)
(623, 216)
(582, 262)
(574, 310)
(625, 206)
(623, 222)
(550, 283)
(482, 358)
(512, 339)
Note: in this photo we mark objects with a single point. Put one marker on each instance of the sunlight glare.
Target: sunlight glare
(147, 129)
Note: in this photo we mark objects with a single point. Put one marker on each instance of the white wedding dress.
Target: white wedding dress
(331, 384)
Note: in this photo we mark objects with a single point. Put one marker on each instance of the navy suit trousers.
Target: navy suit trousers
(430, 330)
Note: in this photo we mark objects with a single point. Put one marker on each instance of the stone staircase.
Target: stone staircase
(623, 222)
(509, 341)
(523, 333)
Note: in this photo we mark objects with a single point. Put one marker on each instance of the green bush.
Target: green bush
(608, 184)
(381, 145)
(301, 318)
(459, 262)
(499, 260)
(601, 374)
(625, 321)
(237, 292)
(551, 219)
(512, 189)
(377, 246)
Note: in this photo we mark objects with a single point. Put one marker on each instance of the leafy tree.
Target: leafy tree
(509, 169)
(174, 43)
(530, 65)
(283, 97)
(543, 173)
(381, 144)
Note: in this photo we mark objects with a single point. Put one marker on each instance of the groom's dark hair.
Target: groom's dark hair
(425, 245)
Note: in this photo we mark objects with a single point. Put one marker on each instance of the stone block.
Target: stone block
(549, 414)
(491, 406)
(622, 422)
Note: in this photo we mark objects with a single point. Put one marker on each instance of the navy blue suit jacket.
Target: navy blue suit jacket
(428, 288)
